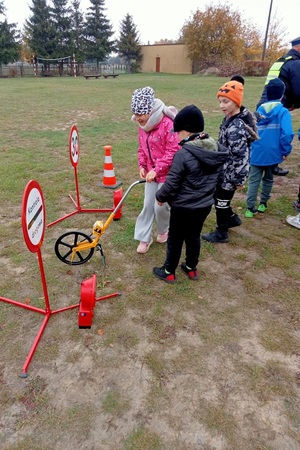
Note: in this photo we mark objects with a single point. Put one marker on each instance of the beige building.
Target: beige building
(166, 58)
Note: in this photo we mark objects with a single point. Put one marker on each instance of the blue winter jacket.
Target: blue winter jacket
(275, 135)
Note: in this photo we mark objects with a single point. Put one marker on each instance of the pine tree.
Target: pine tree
(2, 7)
(10, 47)
(128, 45)
(39, 30)
(60, 16)
(98, 33)
(77, 31)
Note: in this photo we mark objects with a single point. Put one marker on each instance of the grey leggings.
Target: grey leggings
(151, 211)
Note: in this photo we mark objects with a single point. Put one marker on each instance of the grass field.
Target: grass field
(210, 365)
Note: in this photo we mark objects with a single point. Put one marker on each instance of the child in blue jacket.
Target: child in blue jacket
(273, 146)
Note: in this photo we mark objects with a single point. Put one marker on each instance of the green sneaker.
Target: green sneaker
(250, 213)
(262, 208)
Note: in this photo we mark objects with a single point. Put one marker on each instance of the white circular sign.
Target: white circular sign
(74, 146)
(33, 216)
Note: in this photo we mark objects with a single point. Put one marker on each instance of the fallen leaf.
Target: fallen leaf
(27, 301)
(100, 332)
(69, 272)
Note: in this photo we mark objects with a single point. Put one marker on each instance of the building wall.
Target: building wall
(166, 58)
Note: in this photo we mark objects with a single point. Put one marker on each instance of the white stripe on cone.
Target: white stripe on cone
(109, 173)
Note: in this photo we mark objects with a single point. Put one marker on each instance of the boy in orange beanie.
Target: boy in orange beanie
(236, 136)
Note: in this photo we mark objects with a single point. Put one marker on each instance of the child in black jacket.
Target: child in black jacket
(189, 190)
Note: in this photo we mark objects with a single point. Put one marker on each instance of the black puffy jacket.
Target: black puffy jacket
(192, 179)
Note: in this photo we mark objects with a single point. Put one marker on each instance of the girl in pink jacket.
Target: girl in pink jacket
(157, 146)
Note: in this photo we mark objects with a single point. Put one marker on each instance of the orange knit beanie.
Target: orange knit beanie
(232, 90)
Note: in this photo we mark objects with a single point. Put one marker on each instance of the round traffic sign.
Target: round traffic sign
(74, 146)
(33, 216)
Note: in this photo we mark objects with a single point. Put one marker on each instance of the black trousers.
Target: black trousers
(224, 211)
(185, 227)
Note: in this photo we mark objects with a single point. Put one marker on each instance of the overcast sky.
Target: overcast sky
(163, 19)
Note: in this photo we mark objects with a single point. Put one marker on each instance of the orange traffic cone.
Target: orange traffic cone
(109, 178)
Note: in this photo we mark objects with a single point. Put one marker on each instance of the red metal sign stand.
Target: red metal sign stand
(74, 157)
(33, 224)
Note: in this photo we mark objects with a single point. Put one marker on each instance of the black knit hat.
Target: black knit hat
(190, 118)
(275, 89)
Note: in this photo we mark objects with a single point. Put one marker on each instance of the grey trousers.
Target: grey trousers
(259, 175)
(151, 211)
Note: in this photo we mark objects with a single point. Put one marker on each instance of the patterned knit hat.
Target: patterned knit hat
(232, 90)
(142, 100)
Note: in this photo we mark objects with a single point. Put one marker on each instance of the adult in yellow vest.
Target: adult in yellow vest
(287, 68)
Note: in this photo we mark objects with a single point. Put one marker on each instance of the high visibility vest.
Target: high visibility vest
(276, 68)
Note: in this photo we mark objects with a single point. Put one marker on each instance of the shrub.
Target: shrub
(256, 68)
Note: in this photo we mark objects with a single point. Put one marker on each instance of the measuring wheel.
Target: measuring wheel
(65, 244)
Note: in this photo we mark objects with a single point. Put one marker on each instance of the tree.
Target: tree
(128, 45)
(77, 31)
(39, 31)
(214, 36)
(10, 47)
(61, 22)
(276, 37)
(253, 43)
(98, 33)
(166, 41)
(26, 52)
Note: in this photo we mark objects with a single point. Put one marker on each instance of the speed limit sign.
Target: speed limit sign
(74, 146)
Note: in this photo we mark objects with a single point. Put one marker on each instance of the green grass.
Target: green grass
(210, 364)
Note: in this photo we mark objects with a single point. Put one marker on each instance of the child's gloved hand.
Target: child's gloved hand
(299, 134)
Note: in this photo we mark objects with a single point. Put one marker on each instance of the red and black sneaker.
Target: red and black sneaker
(191, 273)
(160, 272)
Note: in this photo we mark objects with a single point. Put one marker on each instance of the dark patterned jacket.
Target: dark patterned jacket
(236, 134)
(250, 119)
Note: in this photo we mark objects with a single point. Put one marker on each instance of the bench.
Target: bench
(107, 75)
(93, 76)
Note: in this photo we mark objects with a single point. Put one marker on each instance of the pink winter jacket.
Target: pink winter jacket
(157, 148)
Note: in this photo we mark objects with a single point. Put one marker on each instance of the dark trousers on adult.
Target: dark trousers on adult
(224, 211)
(185, 227)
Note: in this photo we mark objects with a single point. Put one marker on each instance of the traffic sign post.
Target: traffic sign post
(33, 225)
(74, 158)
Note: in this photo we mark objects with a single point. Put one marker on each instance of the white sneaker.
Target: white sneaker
(143, 247)
(162, 238)
(294, 221)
